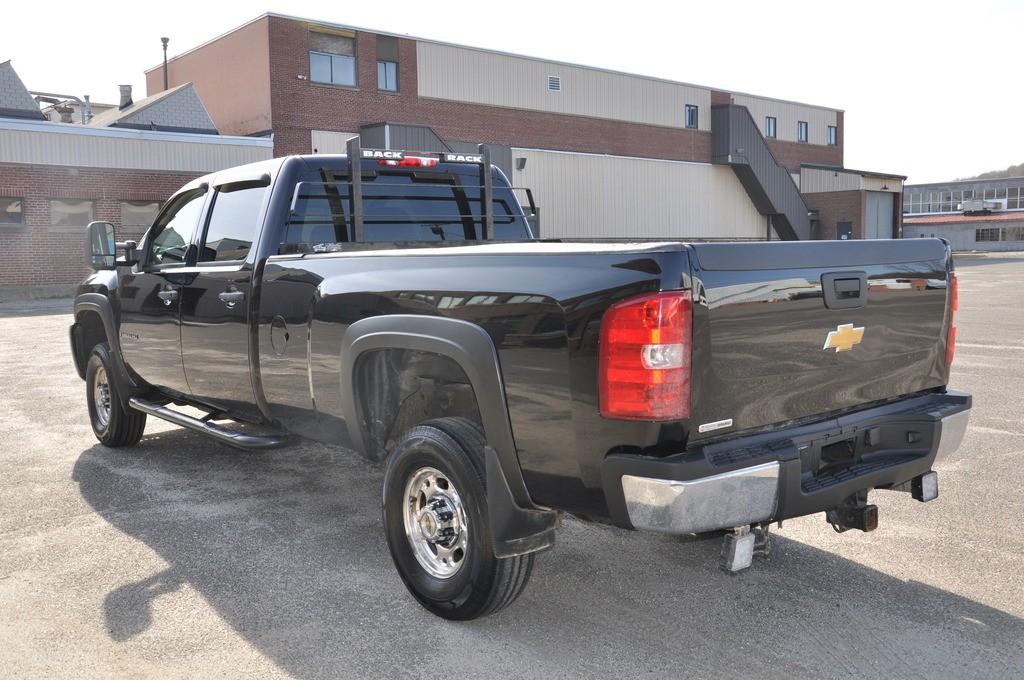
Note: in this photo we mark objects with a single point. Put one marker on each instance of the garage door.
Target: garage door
(879, 218)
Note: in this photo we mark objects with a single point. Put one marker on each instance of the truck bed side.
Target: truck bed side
(541, 304)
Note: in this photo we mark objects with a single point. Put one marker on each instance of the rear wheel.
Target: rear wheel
(436, 523)
(112, 423)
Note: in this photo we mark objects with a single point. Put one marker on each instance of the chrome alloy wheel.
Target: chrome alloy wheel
(435, 522)
(101, 397)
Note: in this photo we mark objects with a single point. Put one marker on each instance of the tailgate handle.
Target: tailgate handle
(847, 288)
(844, 290)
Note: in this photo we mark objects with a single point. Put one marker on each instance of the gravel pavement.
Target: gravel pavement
(183, 558)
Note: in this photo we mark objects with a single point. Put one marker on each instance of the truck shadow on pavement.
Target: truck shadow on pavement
(287, 547)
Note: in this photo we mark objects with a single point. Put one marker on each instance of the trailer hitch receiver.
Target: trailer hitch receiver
(855, 513)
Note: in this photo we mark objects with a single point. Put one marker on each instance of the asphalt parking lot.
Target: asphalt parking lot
(184, 558)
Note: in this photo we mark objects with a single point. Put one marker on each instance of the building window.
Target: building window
(990, 234)
(801, 131)
(691, 116)
(1013, 234)
(11, 212)
(833, 135)
(138, 216)
(919, 202)
(70, 214)
(332, 59)
(770, 129)
(555, 83)
(387, 76)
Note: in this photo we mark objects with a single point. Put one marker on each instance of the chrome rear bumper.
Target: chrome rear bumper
(730, 499)
(767, 490)
(954, 428)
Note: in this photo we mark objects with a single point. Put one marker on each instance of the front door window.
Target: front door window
(173, 231)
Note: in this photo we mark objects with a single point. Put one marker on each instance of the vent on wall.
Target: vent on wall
(555, 83)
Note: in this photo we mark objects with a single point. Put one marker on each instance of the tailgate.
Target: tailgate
(769, 348)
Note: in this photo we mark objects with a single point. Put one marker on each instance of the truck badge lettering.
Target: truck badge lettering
(717, 425)
(843, 338)
(383, 155)
(463, 158)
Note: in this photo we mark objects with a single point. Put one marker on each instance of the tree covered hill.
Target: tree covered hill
(1012, 171)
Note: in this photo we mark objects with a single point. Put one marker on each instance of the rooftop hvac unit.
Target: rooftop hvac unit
(978, 206)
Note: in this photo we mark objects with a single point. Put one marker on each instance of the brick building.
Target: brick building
(56, 177)
(686, 160)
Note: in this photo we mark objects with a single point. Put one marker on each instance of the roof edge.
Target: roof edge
(851, 171)
(1017, 178)
(130, 133)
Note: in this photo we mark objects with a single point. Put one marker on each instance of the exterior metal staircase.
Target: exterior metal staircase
(737, 142)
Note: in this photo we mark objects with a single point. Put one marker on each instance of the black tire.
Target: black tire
(122, 426)
(483, 584)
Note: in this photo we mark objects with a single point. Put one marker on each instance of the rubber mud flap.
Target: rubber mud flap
(514, 530)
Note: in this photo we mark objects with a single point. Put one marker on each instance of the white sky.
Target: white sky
(958, 114)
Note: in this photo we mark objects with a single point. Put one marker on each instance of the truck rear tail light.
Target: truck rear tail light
(645, 353)
(954, 304)
(410, 162)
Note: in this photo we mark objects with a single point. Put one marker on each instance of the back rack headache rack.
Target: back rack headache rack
(357, 154)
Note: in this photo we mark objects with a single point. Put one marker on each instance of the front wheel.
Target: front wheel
(436, 523)
(113, 423)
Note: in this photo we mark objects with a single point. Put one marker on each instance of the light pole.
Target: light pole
(165, 41)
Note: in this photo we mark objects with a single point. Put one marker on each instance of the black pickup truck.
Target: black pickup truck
(406, 311)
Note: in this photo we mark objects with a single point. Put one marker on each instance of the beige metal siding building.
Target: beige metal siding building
(66, 145)
(788, 115)
(466, 74)
(595, 196)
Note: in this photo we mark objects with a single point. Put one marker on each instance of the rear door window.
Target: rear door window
(234, 223)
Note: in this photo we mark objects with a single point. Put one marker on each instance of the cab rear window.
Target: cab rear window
(406, 207)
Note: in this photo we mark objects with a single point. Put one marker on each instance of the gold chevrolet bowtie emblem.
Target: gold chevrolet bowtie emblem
(844, 337)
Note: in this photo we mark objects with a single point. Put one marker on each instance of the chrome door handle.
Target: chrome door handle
(230, 297)
(168, 296)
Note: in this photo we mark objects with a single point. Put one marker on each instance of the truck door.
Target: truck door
(150, 295)
(215, 303)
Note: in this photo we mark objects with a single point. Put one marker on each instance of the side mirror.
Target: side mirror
(102, 249)
(100, 245)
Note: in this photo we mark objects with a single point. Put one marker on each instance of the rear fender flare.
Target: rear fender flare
(518, 525)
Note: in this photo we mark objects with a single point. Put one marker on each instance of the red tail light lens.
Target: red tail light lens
(954, 304)
(646, 347)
